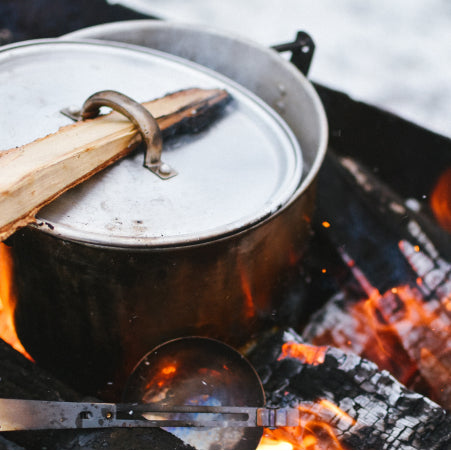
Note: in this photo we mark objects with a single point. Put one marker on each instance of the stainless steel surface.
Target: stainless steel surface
(250, 150)
(101, 308)
(259, 69)
(200, 371)
(22, 415)
(143, 121)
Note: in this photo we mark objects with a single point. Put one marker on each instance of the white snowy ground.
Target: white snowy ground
(395, 54)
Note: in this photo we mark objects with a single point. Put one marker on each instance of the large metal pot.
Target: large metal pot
(89, 311)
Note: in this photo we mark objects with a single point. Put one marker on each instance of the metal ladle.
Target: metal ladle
(200, 389)
(196, 371)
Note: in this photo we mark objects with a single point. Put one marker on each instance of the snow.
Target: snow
(393, 54)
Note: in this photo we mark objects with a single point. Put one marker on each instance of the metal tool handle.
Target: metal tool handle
(19, 414)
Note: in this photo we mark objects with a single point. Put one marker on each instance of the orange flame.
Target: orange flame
(403, 334)
(318, 419)
(312, 355)
(440, 200)
(8, 302)
(316, 428)
(420, 329)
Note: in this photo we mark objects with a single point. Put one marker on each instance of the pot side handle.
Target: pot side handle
(302, 50)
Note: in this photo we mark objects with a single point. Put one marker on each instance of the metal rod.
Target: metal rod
(18, 414)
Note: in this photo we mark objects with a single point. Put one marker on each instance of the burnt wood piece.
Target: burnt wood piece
(20, 378)
(368, 221)
(410, 342)
(397, 268)
(378, 412)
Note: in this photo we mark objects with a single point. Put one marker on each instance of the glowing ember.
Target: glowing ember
(407, 329)
(405, 321)
(440, 200)
(403, 334)
(315, 431)
(7, 302)
(337, 411)
(312, 355)
(316, 427)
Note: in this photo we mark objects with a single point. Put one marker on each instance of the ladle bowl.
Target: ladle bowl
(199, 371)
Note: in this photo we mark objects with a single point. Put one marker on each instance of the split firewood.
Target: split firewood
(22, 379)
(33, 175)
(345, 401)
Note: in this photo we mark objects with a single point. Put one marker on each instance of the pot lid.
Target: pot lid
(241, 169)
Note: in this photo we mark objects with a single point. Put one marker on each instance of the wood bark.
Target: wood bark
(22, 379)
(33, 175)
(377, 412)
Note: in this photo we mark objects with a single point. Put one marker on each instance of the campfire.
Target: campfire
(7, 302)
(326, 369)
(360, 349)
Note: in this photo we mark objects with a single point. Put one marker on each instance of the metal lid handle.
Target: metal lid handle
(143, 121)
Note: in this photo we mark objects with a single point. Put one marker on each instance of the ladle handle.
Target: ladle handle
(20, 414)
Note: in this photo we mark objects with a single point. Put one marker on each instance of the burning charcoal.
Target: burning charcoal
(21, 378)
(345, 401)
(400, 316)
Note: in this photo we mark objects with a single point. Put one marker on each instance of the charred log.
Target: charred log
(364, 408)
(22, 379)
(393, 305)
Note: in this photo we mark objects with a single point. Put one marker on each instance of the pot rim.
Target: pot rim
(323, 130)
(305, 182)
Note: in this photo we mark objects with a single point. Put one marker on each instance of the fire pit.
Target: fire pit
(375, 285)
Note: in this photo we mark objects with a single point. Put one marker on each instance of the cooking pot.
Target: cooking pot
(93, 299)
